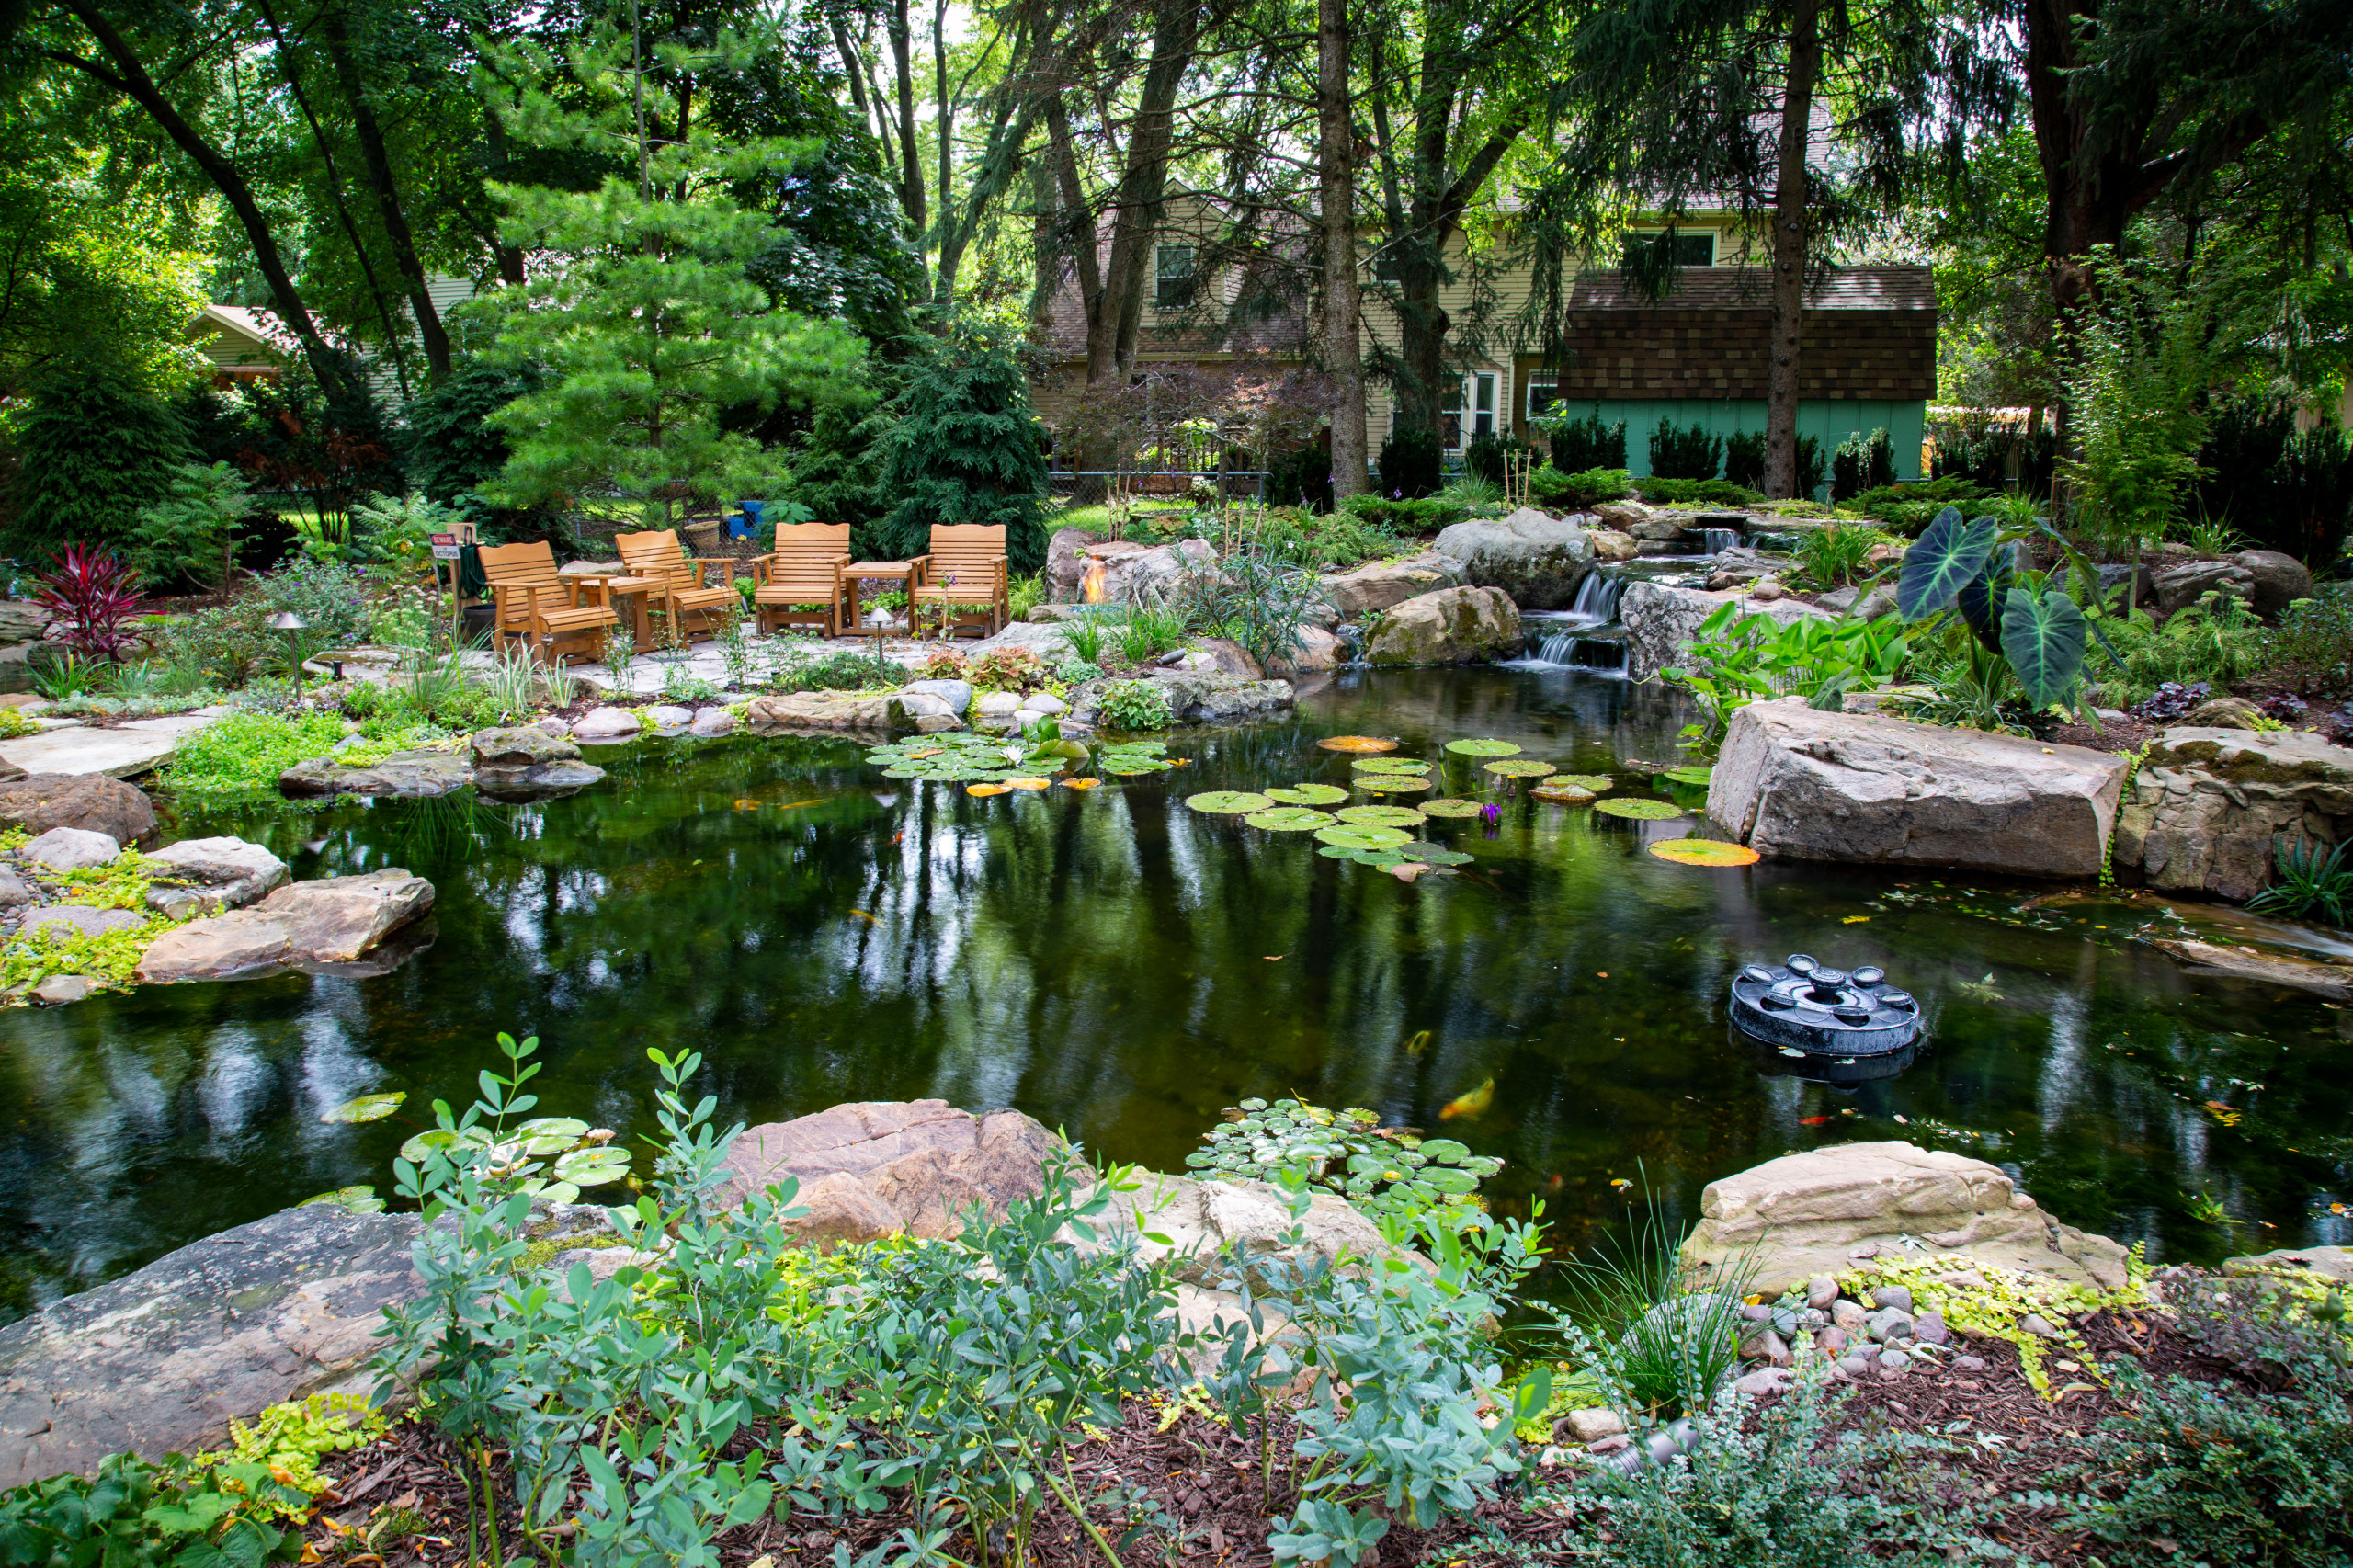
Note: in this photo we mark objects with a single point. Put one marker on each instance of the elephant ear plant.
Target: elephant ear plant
(2025, 620)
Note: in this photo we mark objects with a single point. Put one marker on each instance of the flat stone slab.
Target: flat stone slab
(161, 1361)
(2332, 1264)
(874, 1168)
(121, 752)
(2211, 960)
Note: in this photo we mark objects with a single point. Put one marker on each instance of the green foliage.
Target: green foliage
(1135, 705)
(288, 1438)
(1387, 1172)
(2309, 880)
(190, 535)
(1426, 515)
(1364, 530)
(1301, 478)
(964, 449)
(1658, 1338)
(1411, 466)
(2285, 489)
(451, 449)
(330, 597)
(1583, 488)
(2218, 640)
(2135, 397)
(93, 453)
(1861, 464)
(224, 646)
(242, 753)
(1910, 506)
(1023, 594)
(398, 531)
(1149, 631)
(1998, 1309)
(844, 671)
(2039, 631)
(131, 1514)
(2313, 641)
(1737, 658)
(1072, 671)
(1695, 492)
(1580, 445)
(1087, 639)
(2225, 1475)
(1744, 462)
(1834, 555)
(1689, 453)
(1256, 598)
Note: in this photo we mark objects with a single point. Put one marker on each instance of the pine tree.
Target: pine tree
(92, 452)
(965, 449)
(650, 327)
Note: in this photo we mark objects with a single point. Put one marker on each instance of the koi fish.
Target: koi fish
(1418, 1043)
(747, 805)
(868, 918)
(1470, 1106)
(1815, 1121)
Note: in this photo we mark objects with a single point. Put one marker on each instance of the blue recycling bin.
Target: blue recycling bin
(745, 523)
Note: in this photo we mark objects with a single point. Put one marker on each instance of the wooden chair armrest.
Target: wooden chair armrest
(918, 569)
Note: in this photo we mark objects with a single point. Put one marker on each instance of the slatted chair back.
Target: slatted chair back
(974, 553)
(511, 570)
(656, 554)
(804, 568)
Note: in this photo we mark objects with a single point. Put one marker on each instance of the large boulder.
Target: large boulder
(2208, 804)
(71, 849)
(1221, 656)
(1661, 619)
(2279, 580)
(335, 920)
(1126, 571)
(161, 1361)
(87, 801)
(1452, 626)
(2186, 584)
(1826, 1210)
(2332, 1264)
(874, 1168)
(205, 876)
(528, 763)
(886, 711)
(1384, 585)
(408, 773)
(1804, 785)
(1318, 651)
(1066, 562)
(1195, 697)
(1537, 559)
(1188, 1222)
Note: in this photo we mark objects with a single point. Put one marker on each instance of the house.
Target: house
(1699, 354)
(248, 344)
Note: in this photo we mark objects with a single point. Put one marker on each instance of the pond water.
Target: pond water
(1123, 968)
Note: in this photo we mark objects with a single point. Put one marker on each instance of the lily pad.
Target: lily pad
(1078, 783)
(441, 1140)
(1356, 743)
(1434, 854)
(1449, 806)
(1137, 748)
(1599, 783)
(1483, 748)
(1290, 819)
(593, 1168)
(1638, 808)
(1350, 836)
(1523, 769)
(1380, 859)
(358, 1200)
(988, 789)
(1133, 766)
(1308, 795)
(1381, 816)
(1555, 792)
(1390, 765)
(545, 1135)
(1029, 783)
(365, 1108)
(1705, 852)
(1392, 783)
(1228, 803)
(1688, 775)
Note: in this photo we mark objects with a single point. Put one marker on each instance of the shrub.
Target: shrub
(1016, 669)
(1687, 453)
(964, 449)
(1135, 705)
(1301, 478)
(1258, 598)
(2219, 640)
(1073, 672)
(1424, 516)
(1483, 458)
(1586, 487)
(190, 535)
(1912, 507)
(1744, 461)
(2309, 880)
(447, 446)
(1696, 492)
(844, 671)
(226, 646)
(1579, 445)
(2285, 489)
(2314, 642)
(1832, 555)
(329, 596)
(93, 599)
(1861, 462)
(132, 1512)
(93, 453)
(1411, 465)
(1343, 539)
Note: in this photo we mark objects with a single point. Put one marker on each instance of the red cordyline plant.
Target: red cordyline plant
(92, 598)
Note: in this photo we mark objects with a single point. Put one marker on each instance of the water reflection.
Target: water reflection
(1123, 968)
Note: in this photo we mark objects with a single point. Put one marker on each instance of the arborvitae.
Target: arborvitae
(92, 451)
(965, 449)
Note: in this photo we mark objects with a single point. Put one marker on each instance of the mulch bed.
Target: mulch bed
(1194, 1490)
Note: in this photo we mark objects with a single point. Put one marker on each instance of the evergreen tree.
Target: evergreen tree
(94, 452)
(965, 448)
(650, 327)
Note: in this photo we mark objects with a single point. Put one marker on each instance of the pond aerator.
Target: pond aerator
(1801, 1006)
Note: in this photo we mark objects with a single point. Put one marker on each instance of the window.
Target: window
(1469, 411)
(1174, 275)
(1386, 266)
(1541, 396)
(1482, 389)
(1689, 249)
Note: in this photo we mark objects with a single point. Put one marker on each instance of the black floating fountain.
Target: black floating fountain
(1801, 1006)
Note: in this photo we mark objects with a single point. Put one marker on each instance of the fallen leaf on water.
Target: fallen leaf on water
(1418, 1043)
(1408, 870)
(1471, 1105)
(1619, 1181)
(797, 805)
(1273, 957)
(1854, 920)
(868, 918)
(747, 805)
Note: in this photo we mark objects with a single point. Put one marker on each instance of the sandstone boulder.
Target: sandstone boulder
(71, 849)
(2210, 960)
(1824, 1212)
(334, 920)
(1608, 544)
(1661, 620)
(712, 722)
(608, 725)
(2186, 584)
(1124, 571)
(886, 711)
(1201, 1218)
(1194, 696)
(1318, 651)
(530, 763)
(1066, 562)
(521, 747)
(408, 773)
(78, 920)
(1803, 785)
(668, 717)
(1449, 626)
(206, 876)
(161, 1361)
(2208, 804)
(1221, 656)
(874, 1168)
(1536, 559)
(956, 694)
(1384, 585)
(2334, 1263)
(87, 801)
(2279, 580)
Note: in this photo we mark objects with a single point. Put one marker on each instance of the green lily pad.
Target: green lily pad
(545, 1135)
(1449, 806)
(1132, 767)
(1381, 816)
(1432, 855)
(1390, 765)
(440, 1140)
(1308, 795)
(358, 1200)
(1392, 783)
(1555, 792)
(1350, 836)
(1483, 748)
(1228, 803)
(1138, 748)
(1523, 769)
(593, 1168)
(1290, 819)
(1688, 775)
(1599, 783)
(365, 1108)
(1638, 808)
(1380, 859)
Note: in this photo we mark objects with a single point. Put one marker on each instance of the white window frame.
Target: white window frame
(1160, 277)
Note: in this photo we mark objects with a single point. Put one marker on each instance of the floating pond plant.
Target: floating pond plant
(1639, 810)
(1308, 795)
(1592, 783)
(1392, 783)
(1451, 806)
(1349, 835)
(1386, 1171)
(1379, 816)
(365, 1108)
(1483, 748)
(1524, 768)
(1355, 743)
(1290, 819)
(1390, 765)
(1705, 852)
(1557, 793)
(1228, 803)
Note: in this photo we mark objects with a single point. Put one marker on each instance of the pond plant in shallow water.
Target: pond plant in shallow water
(1390, 1172)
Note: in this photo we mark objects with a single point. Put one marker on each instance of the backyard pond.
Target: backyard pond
(1122, 967)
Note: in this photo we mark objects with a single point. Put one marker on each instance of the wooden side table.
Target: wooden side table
(909, 573)
(635, 590)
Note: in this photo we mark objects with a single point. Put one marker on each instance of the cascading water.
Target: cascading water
(1586, 636)
(1598, 598)
(1715, 541)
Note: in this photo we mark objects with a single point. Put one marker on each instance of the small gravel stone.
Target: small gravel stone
(1858, 1366)
(2034, 1323)
(1929, 1328)
(1830, 1341)
(13, 895)
(1609, 1445)
(1811, 1319)
(1969, 1363)
(1756, 1313)
(1766, 1346)
(1896, 1296)
(1821, 1291)
(1764, 1380)
(1890, 1323)
(1848, 1315)
(1591, 1425)
(1894, 1361)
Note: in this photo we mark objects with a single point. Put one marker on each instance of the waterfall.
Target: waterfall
(1598, 598)
(1715, 541)
(1555, 648)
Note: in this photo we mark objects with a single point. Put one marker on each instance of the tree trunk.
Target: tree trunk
(507, 259)
(1135, 223)
(1789, 251)
(430, 330)
(911, 193)
(129, 77)
(1343, 356)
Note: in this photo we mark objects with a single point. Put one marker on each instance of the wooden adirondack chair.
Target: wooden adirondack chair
(693, 606)
(804, 569)
(534, 603)
(965, 579)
